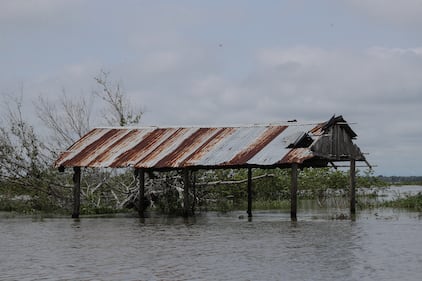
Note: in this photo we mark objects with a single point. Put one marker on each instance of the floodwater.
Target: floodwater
(382, 244)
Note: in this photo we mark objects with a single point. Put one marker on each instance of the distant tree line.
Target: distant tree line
(401, 180)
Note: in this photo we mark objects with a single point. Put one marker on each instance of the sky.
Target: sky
(231, 62)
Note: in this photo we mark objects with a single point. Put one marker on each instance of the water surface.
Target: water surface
(379, 245)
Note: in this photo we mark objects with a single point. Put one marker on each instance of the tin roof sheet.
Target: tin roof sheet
(154, 147)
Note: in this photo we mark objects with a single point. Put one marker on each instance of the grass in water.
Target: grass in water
(412, 202)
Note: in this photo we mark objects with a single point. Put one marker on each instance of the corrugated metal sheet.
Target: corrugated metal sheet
(154, 147)
(184, 147)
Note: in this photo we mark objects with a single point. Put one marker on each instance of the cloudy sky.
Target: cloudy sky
(232, 62)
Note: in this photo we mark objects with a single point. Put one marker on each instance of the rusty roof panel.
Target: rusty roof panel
(257, 145)
(296, 155)
(187, 147)
(166, 147)
(154, 147)
(277, 149)
(178, 147)
(78, 146)
(142, 149)
(110, 154)
(231, 145)
(201, 156)
(89, 152)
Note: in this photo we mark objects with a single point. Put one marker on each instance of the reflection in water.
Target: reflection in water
(386, 246)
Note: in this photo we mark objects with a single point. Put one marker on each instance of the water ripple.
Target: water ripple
(211, 247)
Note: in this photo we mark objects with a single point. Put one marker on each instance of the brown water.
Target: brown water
(379, 245)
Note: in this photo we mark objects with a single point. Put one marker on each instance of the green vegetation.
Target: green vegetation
(105, 191)
(272, 190)
(412, 202)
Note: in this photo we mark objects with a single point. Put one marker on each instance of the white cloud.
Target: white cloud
(34, 11)
(297, 55)
(407, 12)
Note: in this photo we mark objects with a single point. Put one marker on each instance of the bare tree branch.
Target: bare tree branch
(67, 121)
(121, 111)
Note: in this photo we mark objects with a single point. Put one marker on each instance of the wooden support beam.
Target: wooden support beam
(186, 203)
(140, 178)
(352, 187)
(293, 193)
(76, 192)
(194, 192)
(249, 192)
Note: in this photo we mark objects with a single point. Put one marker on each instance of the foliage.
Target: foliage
(368, 180)
(413, 202)
(24, 165)
(226, 191)
(28, 181)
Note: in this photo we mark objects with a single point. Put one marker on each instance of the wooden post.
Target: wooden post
(140, 178)
(352, 187)
(249, 192)
(293, 193)
(76, 192)
(186, 204)
(194, 192)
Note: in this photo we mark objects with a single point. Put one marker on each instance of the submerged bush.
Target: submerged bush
(413, 202)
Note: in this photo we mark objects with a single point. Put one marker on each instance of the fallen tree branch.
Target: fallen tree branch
(235, 182)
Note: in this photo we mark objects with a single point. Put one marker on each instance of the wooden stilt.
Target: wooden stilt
(249, 192)
(76, 192)
(140, 178)
(352, 187)
(186, 203)
(293, 193)
(194, 192)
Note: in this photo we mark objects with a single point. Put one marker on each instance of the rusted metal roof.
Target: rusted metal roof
(160, 148)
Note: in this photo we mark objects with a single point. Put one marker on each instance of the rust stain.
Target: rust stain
(80, 143)
(208, 145)
(318, 129)
(296, 155)
(62, 156)
(261, 142)
(74, 147)
(90, 149)
(144, 145)
(162, 147)
(125, 140)
(187, 145)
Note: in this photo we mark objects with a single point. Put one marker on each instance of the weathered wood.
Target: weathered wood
(186, 203)
(337, 145)
(194, 192)
(249, 192)
(140, 178)
(76, 192)
(235, 181)
(293, 193)
(352, 187)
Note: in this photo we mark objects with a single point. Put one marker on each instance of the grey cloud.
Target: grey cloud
(405, 12)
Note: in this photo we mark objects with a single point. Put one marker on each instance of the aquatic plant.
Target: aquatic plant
(413, 202)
